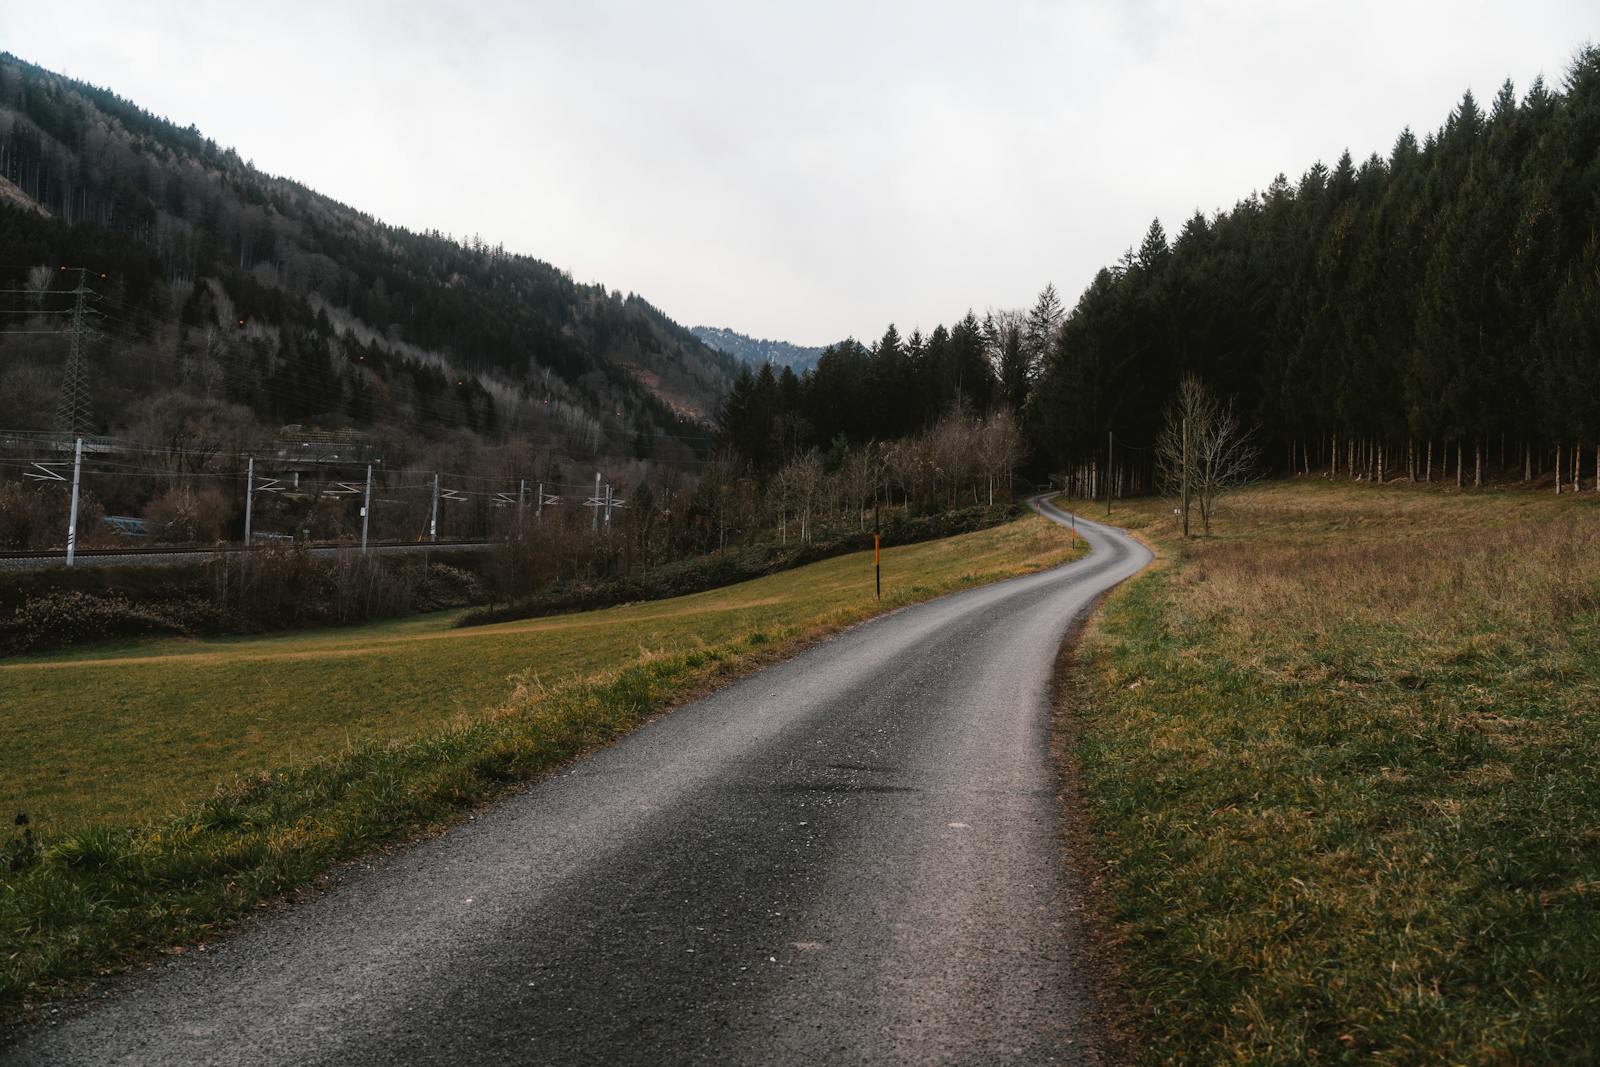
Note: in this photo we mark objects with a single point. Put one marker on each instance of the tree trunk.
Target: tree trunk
(1558, 468)
(1461, 456)
(1477, 465)
(1527, 462)
(1429, 477)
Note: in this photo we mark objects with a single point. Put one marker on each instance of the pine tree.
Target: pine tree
(1039, 336)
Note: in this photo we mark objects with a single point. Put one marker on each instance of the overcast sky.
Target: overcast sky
(807, 170)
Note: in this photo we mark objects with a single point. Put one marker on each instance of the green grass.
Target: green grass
(177, 784)
(1343, 768)
(118, 735)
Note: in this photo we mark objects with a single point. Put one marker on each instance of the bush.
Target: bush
(35, 516)
(66, 618)
(182, 515)
(274, 588)
(29, 515)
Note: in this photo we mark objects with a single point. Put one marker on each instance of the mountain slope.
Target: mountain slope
(756, 352)
(303, 309)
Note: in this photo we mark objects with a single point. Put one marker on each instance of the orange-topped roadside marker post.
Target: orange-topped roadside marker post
(877, 564)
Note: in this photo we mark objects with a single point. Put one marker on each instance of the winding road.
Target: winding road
(854, 856)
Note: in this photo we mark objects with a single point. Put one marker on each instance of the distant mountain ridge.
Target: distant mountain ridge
(756, 352)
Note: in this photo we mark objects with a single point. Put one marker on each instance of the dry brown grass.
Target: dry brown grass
(1343, 762)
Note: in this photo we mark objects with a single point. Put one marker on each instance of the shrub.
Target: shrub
(66, 618)
(272, 588)
(182, 515)
(35, 516)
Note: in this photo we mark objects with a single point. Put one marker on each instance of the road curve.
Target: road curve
(851, 857)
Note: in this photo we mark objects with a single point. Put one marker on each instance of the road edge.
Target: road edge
(1106, 979)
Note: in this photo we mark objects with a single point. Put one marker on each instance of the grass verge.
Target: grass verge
(1342, 764)
(85, 899)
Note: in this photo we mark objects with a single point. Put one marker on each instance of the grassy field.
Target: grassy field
(121, 735)
(1342, 762)
(173, 786)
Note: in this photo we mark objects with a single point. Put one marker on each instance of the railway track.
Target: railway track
(156, 556)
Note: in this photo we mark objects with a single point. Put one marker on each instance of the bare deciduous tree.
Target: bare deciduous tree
(952, 453)
(859, 477)
(999, 447)
(718, 486)
(1203, 451)
(807, 480)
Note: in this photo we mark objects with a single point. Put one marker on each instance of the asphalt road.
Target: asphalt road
(851, 857)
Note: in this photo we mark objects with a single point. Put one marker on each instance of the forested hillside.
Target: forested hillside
(756, 352)
(1377, 318)
(211, 279)
(899, 388)
(1431, 314)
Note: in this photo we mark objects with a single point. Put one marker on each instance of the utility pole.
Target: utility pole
(366, 510)
(249, 496)
(72, 517)
(1110, 446)
(594, 520)
(538, 512)
(608, 507)
(433, 515)
(1185, 431)
(72, 409)
(522, 495)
